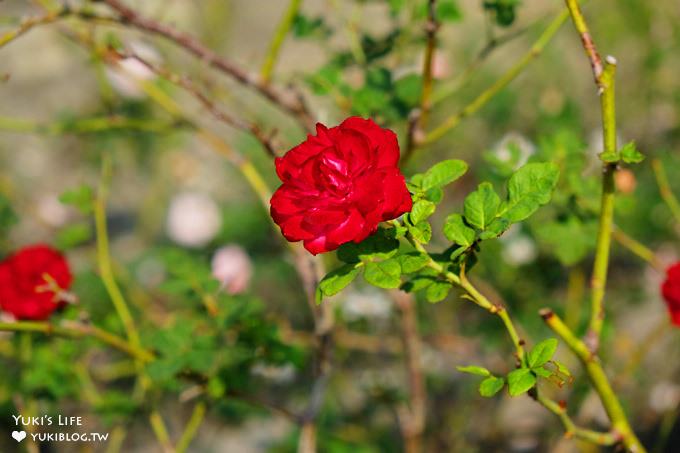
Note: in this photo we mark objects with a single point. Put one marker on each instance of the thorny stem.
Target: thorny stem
(161, 432)
(86, 125)
(418, 120)
(599, 380)
(292, 104)
(279, 36)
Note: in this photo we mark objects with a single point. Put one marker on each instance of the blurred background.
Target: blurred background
(186, 228)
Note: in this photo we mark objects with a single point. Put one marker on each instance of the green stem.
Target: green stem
(279, 36)
(104, 256)
(665, 189)
(74, 330)
(599, 380)
(85, 125)
(598, 280)
(638, 249)
(192, 427)
(571, 430)
(501, 83)
(161, 432)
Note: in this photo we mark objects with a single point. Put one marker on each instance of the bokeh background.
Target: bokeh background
(177, 211)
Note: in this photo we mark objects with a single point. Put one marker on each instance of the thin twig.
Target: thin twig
(665, 189)
(279, 36)
(187, 84)
(412, 418)
(481, 100)
(291, 103)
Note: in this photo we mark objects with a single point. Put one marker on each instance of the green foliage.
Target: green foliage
(80, 198)
(504, 11)
(473, 369)
(8, 217)
(528, 189)
(73, 235)
(491, 385)
(458, 232)
(442, 174)
(336, 280)
(383, 274)
(481, 206)
(542, 353)
(520, 381)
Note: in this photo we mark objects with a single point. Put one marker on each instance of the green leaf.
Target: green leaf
(73, 235)
(542, 352)
(456, 231)
(382, 244)
(630, 154)
(408, 89)
(491, 385)
(421, 210)
(412, 262)
(473, 369)
(437, 291)
(417, 283)
(80, 198)
(481, 206)
(434, 194)
(561, 368)
(610, 157)
(542, 372)
(520, 381)
(495, 228)
(529, 188)
(421, 232)
(7, 215)
(443, 173)
(383, 274)
(448, 11)
(336, 281)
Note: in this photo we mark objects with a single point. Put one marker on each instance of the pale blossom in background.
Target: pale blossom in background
(368, 303)
(51, 211)
(502, 152)
(518, 248)
(231, 266)
(194, 219)
(664, 396)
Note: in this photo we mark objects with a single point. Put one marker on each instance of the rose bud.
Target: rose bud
(231, 266)
(671, 292)
(339, 184)
(34, 282)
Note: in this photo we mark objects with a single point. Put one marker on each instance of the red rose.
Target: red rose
(32, 281)
(671, 292)
(339, 185)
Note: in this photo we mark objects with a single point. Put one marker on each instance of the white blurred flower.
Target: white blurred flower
(193, 219)
(126, 75)
(232, 267)
(366, 304)
(664, 397)
(51, 211)
(283, 374)
(518, 249)
(513, 142)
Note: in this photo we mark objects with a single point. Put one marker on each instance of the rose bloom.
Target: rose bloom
(339, 184)
(671, 292)
(33, 282)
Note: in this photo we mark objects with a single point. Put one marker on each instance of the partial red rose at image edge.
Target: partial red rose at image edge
(671, 292)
